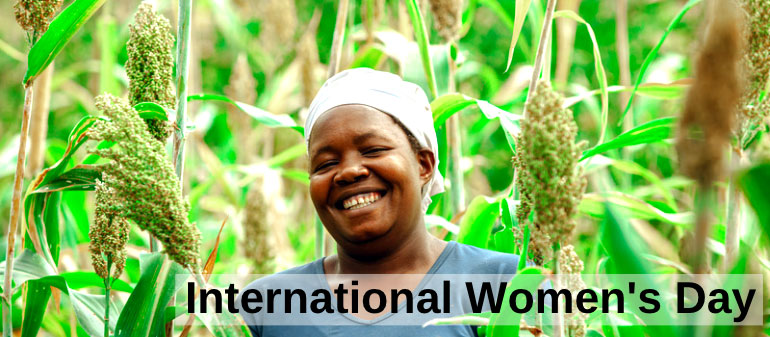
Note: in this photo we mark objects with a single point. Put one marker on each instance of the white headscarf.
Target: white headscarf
(390, 94)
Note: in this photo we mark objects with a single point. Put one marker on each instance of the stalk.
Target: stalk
(339, 37)
(551, 7)
(334, 67)
(565, 41)
(454, 143)
(38, 126)
(558, 316)
(107, 287)
(184, 22)
(703, 205)
(541, 52)
(732, 237)
(15, 212)
(621, 36)
(182, 66)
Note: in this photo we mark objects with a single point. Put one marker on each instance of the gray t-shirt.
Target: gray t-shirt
(456, 258)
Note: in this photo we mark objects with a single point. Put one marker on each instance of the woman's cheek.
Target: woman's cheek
(319, 188)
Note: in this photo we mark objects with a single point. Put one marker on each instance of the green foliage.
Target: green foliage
(60, 31)
(144, 312)
(636, 216)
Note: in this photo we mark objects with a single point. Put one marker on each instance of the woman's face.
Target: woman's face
(365, 179)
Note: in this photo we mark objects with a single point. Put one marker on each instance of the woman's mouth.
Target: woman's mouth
(361, 200)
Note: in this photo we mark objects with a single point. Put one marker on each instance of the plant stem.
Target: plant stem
(339, 37)
(107, 286)
(621, 36)
(541, 50)
(15, 212)
(182, 66)
(183, 39)
(703, 206)
(565, 42)
(558, 316)
(454, 144)
(732, 237)
(38, 126)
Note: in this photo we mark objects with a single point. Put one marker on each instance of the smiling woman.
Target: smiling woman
(373, 168)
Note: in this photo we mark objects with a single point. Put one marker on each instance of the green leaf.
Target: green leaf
(449, 104)
(476, 225)
(89, 309)
(522, 7)
(371, 57)
(631, 167)
(421, 36)
(663, 91)
(59, 32)
(625, 251)
(592, 205)
(144, 312)
(80, 178)
(35, 305)
(150, 110)
(598, 67)
(654, 52)
(754, 183)
(262, 116)
(85, 279)
(650, 132)
(506, 323)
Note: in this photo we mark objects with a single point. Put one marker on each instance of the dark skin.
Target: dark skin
(362, 150)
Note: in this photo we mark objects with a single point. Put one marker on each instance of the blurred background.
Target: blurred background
(274, 54)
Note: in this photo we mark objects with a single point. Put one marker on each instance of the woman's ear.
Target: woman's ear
(427, 163)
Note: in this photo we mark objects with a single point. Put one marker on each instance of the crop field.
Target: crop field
(141, 140)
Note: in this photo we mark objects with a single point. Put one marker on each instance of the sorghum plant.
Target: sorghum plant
(549, 182)
(756, 61)
(109, 232)
(150, 65)
(34, 16)
(144, 182)
(447, 16)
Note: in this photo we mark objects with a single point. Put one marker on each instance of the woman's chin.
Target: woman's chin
(366, 234)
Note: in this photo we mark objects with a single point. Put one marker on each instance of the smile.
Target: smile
(361, 200)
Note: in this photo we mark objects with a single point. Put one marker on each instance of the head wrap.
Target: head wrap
(390, 94)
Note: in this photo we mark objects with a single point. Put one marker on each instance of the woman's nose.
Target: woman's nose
(350, 172)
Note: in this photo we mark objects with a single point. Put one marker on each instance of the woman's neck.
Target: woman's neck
(414, 256)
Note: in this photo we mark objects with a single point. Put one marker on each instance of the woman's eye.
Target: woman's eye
(374, 151)
(324, 165)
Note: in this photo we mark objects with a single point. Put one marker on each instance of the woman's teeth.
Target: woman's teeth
(360, 200)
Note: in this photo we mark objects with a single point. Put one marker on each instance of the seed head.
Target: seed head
(258, 246)
(570, 268)
(706, 122)
(109, 232)
(279, 23)
(35, 15)
(150, 65)
(143, 180)
(308, 51)
(549, 182)
(447, 17)
(756, 60)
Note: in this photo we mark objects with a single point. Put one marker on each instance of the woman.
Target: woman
(373, 168)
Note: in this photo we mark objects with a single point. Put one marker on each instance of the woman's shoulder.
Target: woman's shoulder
(467, 259)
